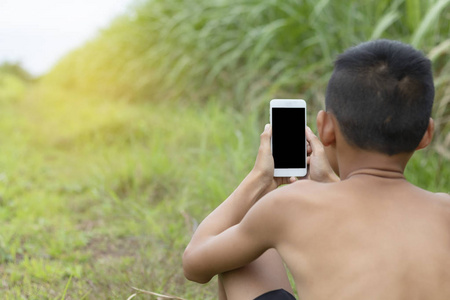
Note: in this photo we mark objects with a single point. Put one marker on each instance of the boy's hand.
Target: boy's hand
(319, 166)
(264, 165)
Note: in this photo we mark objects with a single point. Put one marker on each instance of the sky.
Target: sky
(37, 33)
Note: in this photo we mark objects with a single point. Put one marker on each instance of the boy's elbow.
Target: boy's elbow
(192, 269)
(195, 277)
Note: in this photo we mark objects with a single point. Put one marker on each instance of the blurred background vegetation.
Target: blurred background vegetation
(110, 160)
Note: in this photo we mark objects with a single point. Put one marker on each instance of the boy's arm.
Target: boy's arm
(236, 246)
(258, 182)
(204, 255)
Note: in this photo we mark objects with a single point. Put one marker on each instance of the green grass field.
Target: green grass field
(110, 160)
(98, 196)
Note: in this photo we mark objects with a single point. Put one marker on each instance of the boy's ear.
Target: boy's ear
(325, 127)
(428, 136)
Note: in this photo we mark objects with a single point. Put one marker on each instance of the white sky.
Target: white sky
(38, 33)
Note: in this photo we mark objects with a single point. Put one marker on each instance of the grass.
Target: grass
(111, 159)
(106, 194)
(98, 195)
(243, 52)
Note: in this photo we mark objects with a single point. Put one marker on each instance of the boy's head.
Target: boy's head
(381, 93)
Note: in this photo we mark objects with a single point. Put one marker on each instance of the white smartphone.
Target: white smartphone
(288, 120)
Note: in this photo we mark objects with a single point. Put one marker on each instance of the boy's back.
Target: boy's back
(368, 237)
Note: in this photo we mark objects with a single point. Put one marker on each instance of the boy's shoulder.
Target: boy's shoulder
(313, 196)
(305, 195)
(307, 189)
(444, 196)
(437, 197)
(444, 199)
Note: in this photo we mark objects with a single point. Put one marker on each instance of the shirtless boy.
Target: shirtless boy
(368, 234)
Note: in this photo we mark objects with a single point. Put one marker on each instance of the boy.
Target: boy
(371, 235)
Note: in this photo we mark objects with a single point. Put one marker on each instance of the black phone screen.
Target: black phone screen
(288, 137)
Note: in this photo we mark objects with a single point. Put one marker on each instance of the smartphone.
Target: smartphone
(288, 120)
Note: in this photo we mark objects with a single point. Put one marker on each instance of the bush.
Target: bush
(14, 81)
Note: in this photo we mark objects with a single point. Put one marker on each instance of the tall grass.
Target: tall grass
(243, 52)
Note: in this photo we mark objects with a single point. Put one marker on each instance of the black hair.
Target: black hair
(381, 93)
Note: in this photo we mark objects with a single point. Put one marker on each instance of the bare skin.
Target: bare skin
(372, 235)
